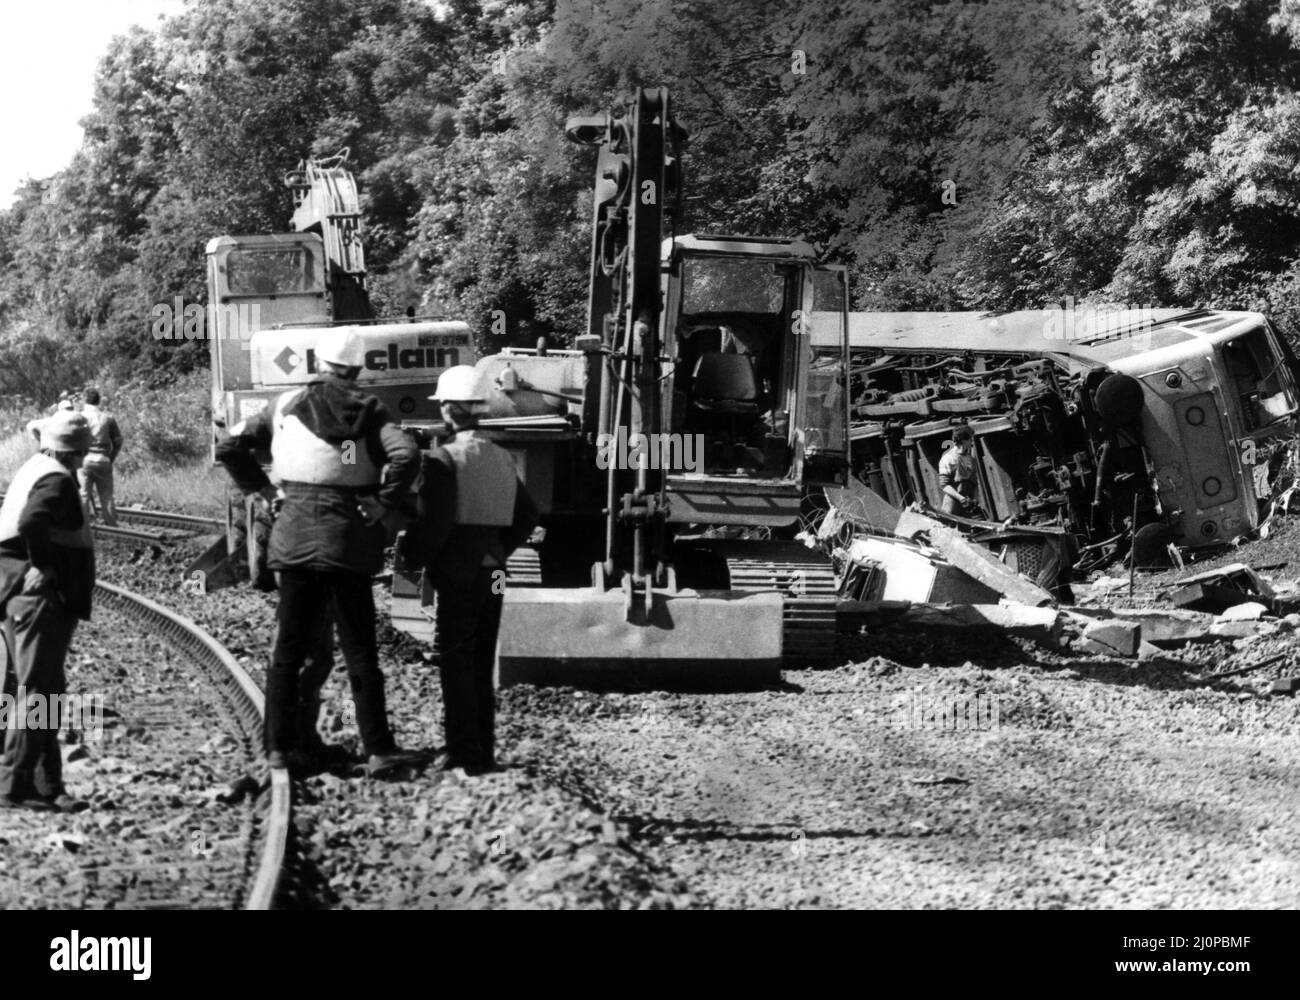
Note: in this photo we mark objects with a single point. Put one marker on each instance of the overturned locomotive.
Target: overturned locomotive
(1158, 428)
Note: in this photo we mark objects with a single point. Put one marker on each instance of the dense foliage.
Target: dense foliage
(997, 154)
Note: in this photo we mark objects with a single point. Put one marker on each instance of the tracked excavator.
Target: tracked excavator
(674, 450)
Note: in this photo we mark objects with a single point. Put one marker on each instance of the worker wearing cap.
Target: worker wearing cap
(34, 426)
(96, 473)
(328, 443)
(47, 574)
(474, 512)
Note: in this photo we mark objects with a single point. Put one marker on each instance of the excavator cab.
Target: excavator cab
(767, 412)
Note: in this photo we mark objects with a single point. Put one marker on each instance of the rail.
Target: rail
(248, 707)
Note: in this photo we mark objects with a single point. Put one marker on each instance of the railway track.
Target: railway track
(173, 526)
(242, 705)
(186, 523)
(180, 713)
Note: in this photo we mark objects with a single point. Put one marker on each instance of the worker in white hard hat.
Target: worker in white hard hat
(474, 511)
(328, 442)
(47, 576)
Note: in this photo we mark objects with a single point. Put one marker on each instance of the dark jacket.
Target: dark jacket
(54, 502)
(320, 526)
(453, 554)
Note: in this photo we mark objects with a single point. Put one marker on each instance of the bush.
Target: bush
(162, 425)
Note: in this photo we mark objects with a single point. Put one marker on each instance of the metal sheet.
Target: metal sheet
(695, 640)
(719, 500)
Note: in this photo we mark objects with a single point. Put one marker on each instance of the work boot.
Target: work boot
(386, 765)
(24, 802)
(65, 803)
(472, 768)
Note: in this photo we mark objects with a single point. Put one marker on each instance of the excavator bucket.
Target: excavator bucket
(212, 570)
(690, 640)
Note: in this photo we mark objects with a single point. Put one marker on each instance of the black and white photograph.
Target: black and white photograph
(651, 455)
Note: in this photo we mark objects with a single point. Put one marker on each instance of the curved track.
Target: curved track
(243, 705)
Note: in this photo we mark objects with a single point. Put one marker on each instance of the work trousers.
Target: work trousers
(96, 476)
(38, 631)
(311, 679)
(309, 600)
(469, 617)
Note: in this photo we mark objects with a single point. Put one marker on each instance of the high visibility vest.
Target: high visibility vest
(299, 456)
(486, 480)
(33, 470)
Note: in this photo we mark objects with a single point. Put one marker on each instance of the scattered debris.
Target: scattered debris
(1220, 589)
(241, 788)
(909, 572)
(857, 512)
(1234, 630)
(1044, 626)
(1285, 685)
(1246, 669)
(1113, 637)
(70, 842)
(1251, 611)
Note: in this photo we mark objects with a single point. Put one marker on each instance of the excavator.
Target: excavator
(675, 450)
(272, 299)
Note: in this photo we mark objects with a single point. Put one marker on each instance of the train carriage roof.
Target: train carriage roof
(1093, 335)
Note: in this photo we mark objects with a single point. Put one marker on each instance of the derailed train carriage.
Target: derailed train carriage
(1145, 429)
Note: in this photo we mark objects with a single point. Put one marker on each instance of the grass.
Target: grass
(194, 488)
(164, 462)
(189, 489)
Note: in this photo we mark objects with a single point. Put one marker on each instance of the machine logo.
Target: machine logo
(287, 360)
(296, 361)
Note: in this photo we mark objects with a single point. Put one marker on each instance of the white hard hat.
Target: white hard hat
(460, 384)
(344, 348)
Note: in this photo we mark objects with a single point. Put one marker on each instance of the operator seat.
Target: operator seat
(725, 402)
(725, 383)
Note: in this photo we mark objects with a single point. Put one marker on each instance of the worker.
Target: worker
(34, 425)
(474, 512)
(47, 575)
(328, 442)
(96, 473)
(957, 474)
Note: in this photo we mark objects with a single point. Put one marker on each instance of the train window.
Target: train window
(1254, 368)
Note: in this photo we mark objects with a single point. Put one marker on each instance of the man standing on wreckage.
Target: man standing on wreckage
(328, 442)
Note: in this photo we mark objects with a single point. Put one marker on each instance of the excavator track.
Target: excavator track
(524, 568)
(806, 580)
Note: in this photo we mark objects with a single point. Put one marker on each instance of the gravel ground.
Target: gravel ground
(1075, 782)
(152, 764)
